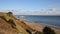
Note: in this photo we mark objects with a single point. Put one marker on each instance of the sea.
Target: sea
(47, 20)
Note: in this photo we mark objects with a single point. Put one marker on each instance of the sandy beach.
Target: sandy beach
(39, 27)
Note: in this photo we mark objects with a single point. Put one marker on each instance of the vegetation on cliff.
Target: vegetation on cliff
(48, 30)
(11, 25)
(12, 21)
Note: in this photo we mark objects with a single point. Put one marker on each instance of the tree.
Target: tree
(48, 30)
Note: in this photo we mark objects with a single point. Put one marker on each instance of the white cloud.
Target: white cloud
(44, 12)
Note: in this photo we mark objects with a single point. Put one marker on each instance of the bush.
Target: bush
(3, 18)
(48, 30)
(10, 13)
(28, 31)
(10, 21)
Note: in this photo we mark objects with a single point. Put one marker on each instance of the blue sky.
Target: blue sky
(28, 5)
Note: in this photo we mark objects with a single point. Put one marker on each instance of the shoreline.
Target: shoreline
(39, 27)
(43, 24)
(50, 25)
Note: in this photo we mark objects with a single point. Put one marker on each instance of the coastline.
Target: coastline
(43, 24)
(39, 27)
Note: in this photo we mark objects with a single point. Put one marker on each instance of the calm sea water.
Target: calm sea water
(50, 20)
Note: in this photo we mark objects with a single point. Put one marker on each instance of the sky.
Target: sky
(31, 7)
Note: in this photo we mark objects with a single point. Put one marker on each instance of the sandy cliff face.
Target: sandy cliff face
(6, 28)
(7, 21)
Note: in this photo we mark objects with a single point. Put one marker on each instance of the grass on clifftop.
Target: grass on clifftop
(9, 16)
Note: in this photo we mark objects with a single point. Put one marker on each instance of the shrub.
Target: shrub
(3, 18)
(48, 30)
(10, 13)
(28, 31)
(10, 21)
